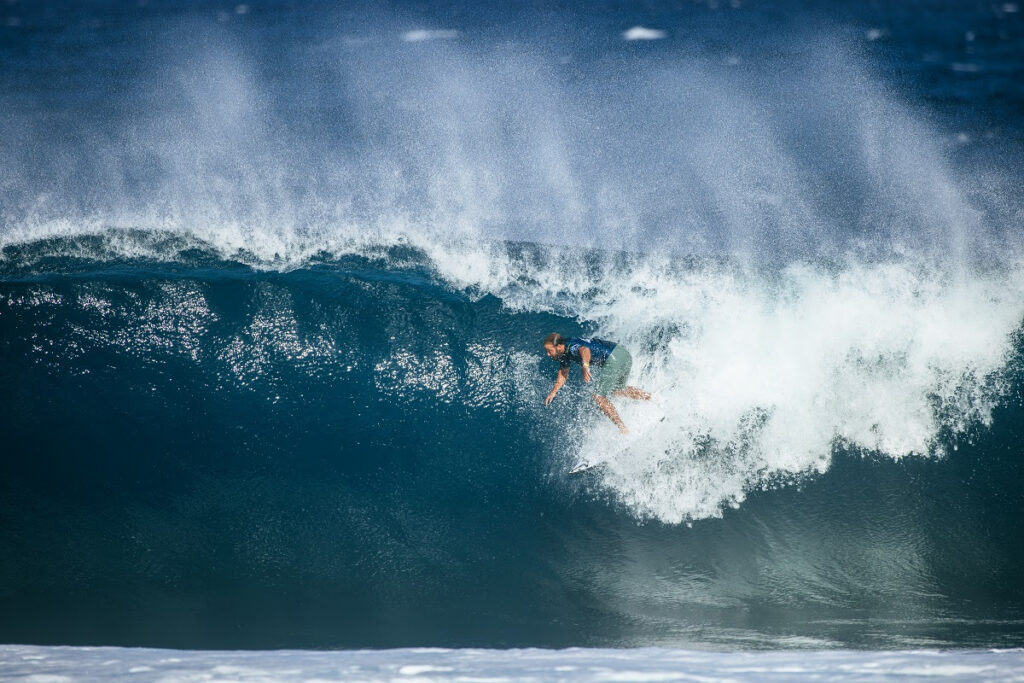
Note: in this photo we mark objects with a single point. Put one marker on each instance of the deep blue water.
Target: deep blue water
(274, 278)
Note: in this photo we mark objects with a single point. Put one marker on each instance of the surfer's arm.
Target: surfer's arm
(563, 374)
(585, 357)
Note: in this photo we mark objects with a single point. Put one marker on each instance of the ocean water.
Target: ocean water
(274, 278)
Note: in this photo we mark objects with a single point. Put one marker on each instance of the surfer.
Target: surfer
(614, 361)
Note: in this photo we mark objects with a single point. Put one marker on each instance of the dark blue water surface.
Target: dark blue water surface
(244, 405)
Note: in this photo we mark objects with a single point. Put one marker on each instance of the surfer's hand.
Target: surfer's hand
(550, 398)
(586, 374)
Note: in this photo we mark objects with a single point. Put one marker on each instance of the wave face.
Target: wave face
(270, 347)
(356, 453)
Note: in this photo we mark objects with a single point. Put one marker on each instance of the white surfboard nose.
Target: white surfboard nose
(583, 466)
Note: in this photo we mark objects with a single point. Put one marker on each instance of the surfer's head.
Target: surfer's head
(554, 344)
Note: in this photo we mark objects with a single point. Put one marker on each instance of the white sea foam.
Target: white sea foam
(643, 33)
(764, 378)
(576, 664)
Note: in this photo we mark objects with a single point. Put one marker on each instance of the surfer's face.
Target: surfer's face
(554, 351)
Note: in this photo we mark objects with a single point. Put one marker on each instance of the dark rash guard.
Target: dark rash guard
(599, 350)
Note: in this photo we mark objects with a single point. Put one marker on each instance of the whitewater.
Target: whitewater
(69, 664)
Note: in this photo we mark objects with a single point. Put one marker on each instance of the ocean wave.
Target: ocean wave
(757, 375)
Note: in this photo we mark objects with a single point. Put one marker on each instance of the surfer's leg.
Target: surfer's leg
(608, 409)
(633, 392)
(615, 374)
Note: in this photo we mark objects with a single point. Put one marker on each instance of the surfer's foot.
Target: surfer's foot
(634, 392)
(623, 429)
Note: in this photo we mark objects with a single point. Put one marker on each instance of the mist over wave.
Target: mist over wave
(803, 156)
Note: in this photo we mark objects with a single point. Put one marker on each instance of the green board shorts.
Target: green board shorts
(615, 373)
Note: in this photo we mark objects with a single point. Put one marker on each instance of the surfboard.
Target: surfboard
(584, 466)
(640, 424)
